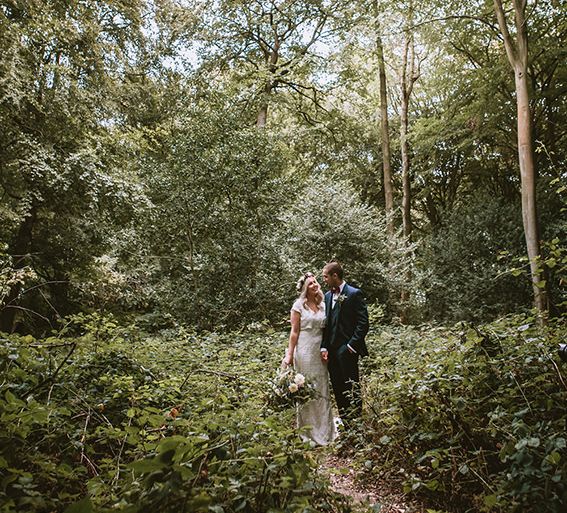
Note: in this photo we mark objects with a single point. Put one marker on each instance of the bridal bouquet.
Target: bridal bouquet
(289, 389)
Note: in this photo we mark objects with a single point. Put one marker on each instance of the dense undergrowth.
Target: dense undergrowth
(473, 418)
(111, 420)
(99, 417)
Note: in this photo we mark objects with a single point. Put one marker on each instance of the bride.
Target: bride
(304, 353)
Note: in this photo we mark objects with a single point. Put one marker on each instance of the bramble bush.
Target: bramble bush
(472, 417)
(99, 418)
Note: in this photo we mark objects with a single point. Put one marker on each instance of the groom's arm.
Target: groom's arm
(361, 323)
(325, 338)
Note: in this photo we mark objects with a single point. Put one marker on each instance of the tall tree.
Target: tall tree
(409, 75)
(517, 53)
(274, 43)
(61, 69)
(384, 126)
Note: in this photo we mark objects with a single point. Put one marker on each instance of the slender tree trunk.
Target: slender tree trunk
(517, 52)
(404, 129)
(271, 61)
(407, 80)
(386, 148)
(410, 74)
(262, 117)
(384, 129)
(528, 181)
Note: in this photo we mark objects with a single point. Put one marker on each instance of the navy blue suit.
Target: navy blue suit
(347, 325)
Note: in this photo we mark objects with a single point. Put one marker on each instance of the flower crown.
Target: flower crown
(302, 280)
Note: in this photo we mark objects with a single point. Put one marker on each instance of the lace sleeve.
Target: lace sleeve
(297, 306)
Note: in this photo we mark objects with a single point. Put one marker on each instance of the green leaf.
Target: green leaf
(432, 485)
(146, 465)
(83, 506)
(12, 399)
(553, 458)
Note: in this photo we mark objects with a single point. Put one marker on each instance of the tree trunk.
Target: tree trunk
(385, 137)
(271, 62)
(410, 74)
(384, 129)
(262, 117)
(517, 52)
(528, 181)
(406, 185)
(407, 81)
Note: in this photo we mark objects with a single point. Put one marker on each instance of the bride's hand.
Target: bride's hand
(287, 361)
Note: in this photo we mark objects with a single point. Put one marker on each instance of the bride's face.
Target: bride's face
(313, 287)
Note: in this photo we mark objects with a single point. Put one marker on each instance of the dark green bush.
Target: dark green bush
(464, 278)
(474, 416)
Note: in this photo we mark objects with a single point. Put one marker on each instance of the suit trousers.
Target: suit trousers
(343, 370)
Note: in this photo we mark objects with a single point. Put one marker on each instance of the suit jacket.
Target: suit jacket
(347, 322)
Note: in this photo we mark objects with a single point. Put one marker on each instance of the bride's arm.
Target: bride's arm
(295, 319)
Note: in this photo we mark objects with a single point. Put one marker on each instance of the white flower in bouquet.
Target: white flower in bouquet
(299, 380)
(293, 388)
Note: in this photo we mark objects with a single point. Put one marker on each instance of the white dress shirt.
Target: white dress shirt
(337, 294)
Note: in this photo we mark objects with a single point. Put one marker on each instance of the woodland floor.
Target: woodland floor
(378, 496)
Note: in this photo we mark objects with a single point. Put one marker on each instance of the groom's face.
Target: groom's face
(332, 280)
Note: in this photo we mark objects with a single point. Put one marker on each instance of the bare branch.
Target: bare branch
(51, 378)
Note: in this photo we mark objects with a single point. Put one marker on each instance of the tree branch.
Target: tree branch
(509, 45)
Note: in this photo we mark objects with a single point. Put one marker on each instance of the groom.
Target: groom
(343, 340)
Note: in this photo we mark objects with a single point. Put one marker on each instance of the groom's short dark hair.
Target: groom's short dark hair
(333, 267)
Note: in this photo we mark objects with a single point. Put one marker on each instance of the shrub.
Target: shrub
(473, 416)
(103, 421)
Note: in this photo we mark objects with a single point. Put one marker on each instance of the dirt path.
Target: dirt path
(379, 497)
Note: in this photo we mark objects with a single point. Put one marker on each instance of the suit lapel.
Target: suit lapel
(338, 304)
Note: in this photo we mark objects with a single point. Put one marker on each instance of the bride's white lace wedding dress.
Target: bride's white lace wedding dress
(316, 413)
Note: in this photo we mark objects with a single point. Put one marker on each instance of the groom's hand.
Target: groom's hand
(324, 355)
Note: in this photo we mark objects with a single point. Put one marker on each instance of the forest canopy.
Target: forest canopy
(188, 160)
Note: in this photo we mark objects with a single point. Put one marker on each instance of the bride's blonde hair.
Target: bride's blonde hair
(302, 288)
